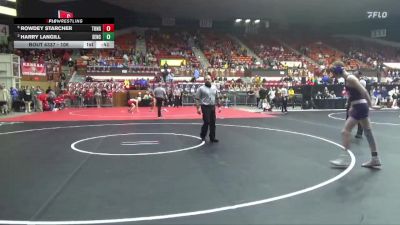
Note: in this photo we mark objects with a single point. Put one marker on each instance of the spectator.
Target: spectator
(5, 99)
(27, 98)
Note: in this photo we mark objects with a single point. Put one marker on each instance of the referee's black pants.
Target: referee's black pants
(284, 103)
(208, 121)
(159, 102)
(177, 99)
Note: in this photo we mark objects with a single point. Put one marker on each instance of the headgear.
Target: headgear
(337, 68)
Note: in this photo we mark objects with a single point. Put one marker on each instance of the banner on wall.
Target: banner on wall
(173, 62)
(168, 21)
(206, 23)
(379, 33)
(291, 64)
(33, 69)
(392, 65)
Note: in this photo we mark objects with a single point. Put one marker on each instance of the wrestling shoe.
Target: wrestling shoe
(342, 161)
(373, 162)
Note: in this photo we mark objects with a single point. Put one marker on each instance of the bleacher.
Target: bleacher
(223, 52)
(170, 45)
(271, 51)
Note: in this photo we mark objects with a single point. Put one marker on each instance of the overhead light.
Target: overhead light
(257, 21)
(238, 20)
(247, 20)
(12, 0)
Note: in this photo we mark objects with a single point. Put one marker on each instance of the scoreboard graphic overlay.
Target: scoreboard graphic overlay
(87, 33)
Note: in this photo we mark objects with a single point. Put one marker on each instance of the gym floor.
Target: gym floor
(265, 170)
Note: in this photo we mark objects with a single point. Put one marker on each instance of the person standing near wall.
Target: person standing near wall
(284, 97)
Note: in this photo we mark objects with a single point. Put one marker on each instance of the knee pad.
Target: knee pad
(370, 137)
(368, 132)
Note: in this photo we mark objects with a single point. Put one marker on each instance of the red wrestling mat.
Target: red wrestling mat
(121, 113)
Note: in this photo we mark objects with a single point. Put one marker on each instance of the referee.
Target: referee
(161, 95)
(206, 98)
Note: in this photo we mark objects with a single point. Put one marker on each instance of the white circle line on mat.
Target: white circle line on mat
(73, 145)
(198, 212)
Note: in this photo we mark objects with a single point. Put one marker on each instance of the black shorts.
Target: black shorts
(359, 111)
